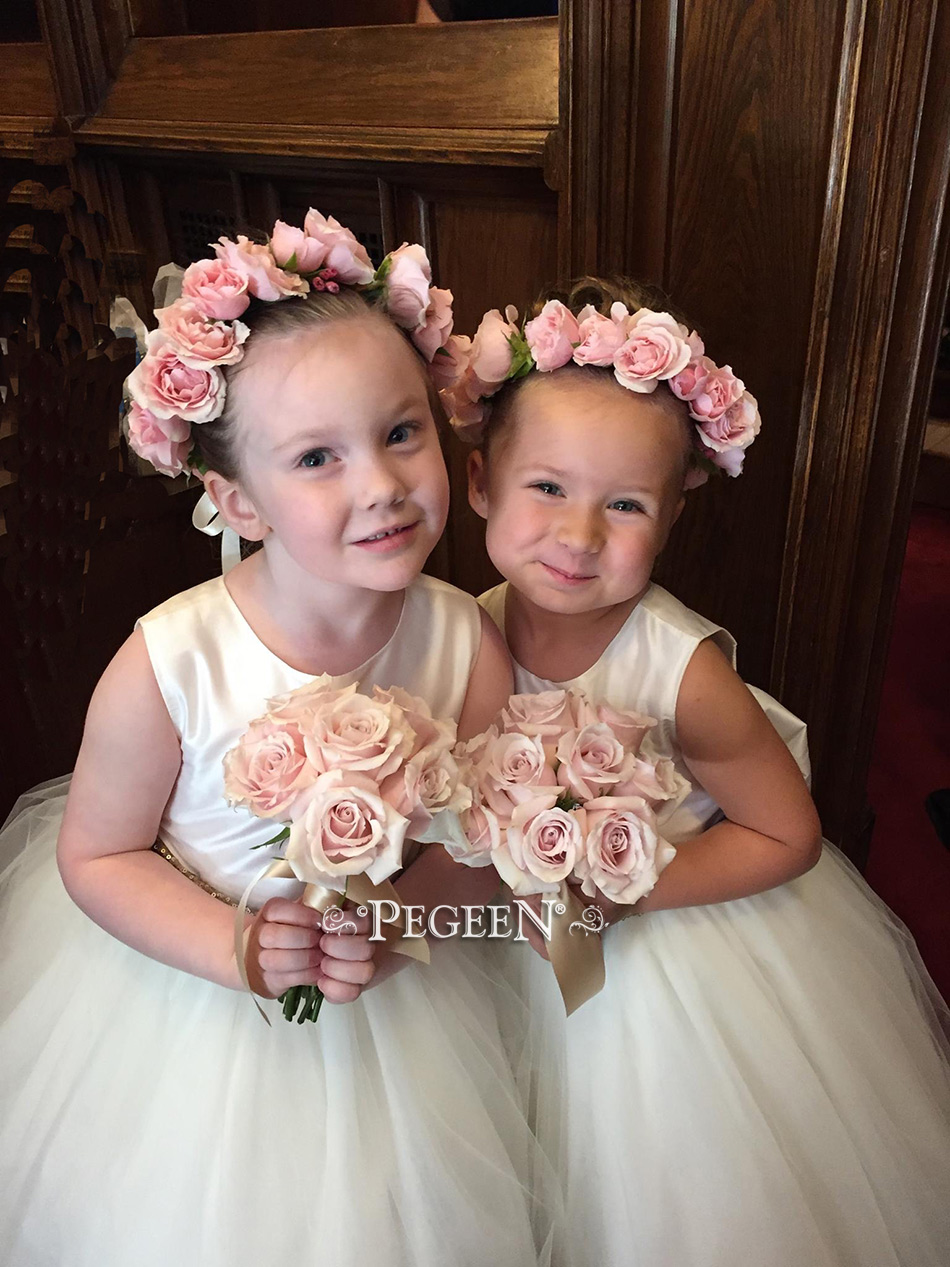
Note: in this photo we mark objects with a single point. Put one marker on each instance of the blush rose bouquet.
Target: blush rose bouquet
(562, 791)
(352, 777)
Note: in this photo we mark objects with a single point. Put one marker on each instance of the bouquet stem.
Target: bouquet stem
(301, 1003)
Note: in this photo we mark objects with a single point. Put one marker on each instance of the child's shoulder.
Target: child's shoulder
(195, 603)
(665, 611)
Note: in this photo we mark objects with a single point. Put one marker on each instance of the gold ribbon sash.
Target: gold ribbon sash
(576, 952)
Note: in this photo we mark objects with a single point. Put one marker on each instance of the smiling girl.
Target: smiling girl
(148, 1114)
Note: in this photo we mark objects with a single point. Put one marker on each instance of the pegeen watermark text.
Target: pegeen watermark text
(493, 922)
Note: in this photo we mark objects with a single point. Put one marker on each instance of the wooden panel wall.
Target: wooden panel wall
(785, 177)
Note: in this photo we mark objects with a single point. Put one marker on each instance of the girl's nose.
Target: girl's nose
(380, 484)
(580, 530)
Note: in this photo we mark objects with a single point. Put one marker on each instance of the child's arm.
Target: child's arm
(771, 833)
(127, 767)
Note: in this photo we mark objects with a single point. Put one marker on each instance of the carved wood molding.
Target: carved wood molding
(345, 93)
(617, 105)
(27, 99)
(85, 40)
(880, 287)
(511, 147)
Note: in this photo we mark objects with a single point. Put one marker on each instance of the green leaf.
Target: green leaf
(196, 462)
(522, 362)
(384, 270)
(567, 802)
(282, 835)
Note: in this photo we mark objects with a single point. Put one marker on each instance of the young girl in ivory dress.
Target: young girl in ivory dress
(764, 1077)
(149, 1116)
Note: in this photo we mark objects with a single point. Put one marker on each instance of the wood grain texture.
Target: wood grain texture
(886, 306)
(26, 87)
(342, 78)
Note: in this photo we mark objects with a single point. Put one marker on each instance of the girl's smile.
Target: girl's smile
(580, 491)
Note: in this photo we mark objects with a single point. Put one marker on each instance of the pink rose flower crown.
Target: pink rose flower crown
(180, 382)
(644, 348)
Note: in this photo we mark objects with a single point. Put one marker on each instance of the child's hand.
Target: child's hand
(347, 965)
(282, 947)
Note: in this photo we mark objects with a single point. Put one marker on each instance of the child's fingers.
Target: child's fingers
(347, 947)
(288, 937)
(281, 962)
(280, 910)
(352, 973)
(338, 991)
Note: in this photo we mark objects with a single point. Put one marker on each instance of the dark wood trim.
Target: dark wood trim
(336, 84)
(86, 39)
(618, 83)
(26, 81)
(514, 147)
(880, 285)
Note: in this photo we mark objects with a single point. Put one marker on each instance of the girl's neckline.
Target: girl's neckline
(565, 683)
(352, 674)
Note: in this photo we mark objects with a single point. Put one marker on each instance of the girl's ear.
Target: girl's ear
(235, 506)
(477, 483)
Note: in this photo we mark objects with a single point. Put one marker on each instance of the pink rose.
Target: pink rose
(438, 325)
(551, 335)
(268, 770)
(656, 349)
(622, 854)
(656, 781)
(201, 342)
(736, 428)
(591, 759)
(298, 708)
(450, 362)
(728, 460)
(542, 846)
(358, 734)
(346, 829)
(546, 713)
(689, 382)
(483, 836)
(291, 248)
(407, 286)
(164, 384)
(165, 442)
(490, 360)
(628, 726)
(472, 751)
(216, 290)
(601, 338)
(515, 768)
(265, 278)
(428, 732)
(716, 391)
(344, 253)
(466, 416)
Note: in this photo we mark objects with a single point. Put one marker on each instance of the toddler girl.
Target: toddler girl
(149, 1116)
(764, 1077)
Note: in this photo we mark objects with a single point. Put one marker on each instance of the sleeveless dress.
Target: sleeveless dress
(149, 1117)
(761, 1081)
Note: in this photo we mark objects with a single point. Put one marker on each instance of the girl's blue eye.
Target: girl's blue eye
(315, 458)
(545, 486)
(401, 433)
(626, 506)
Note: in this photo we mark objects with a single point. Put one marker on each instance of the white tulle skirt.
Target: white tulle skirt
(150, 1118)
(762, 1082)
